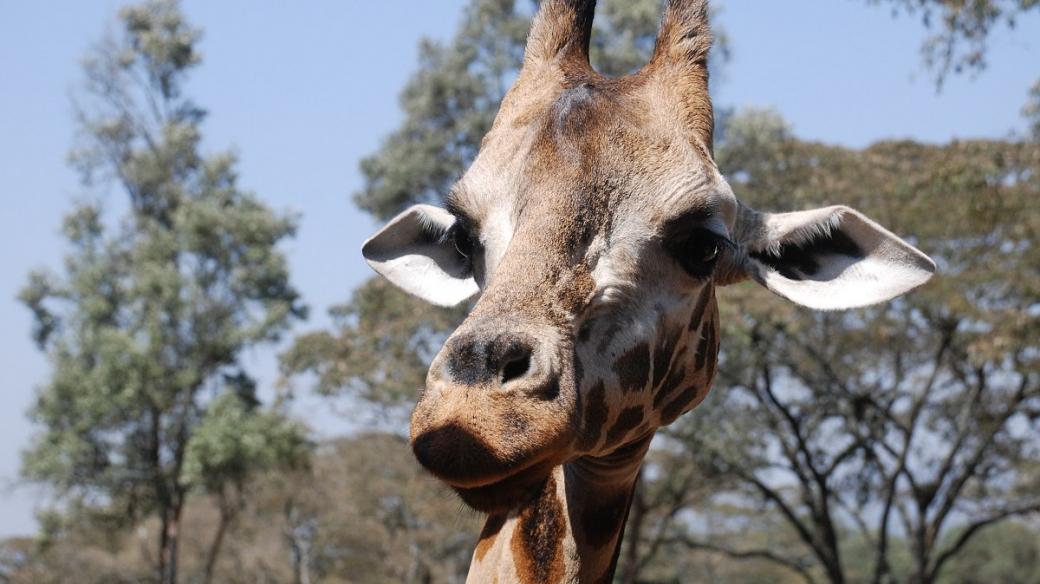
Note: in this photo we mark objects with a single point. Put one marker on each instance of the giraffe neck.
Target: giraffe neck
(570, 531)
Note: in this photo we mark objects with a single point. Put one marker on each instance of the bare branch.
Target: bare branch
(679, 501)
(788, 513)
(881, 566)
(970, 467)
(973, 528)
(753, 554)
(965, 424)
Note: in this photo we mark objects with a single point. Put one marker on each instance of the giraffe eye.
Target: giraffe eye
(697, 252)
(463, 239)
(711, 253)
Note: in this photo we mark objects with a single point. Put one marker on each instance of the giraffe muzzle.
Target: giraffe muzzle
(495, 416)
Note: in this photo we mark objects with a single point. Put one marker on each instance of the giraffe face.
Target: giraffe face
(593, 227)
(596, 321)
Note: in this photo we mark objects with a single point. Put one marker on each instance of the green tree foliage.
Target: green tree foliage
(449, 104)
(231, 442)
(917, 417)
(1009, 553)
(964, 28)
(1032, 111)
(362, 511)
(369, 513)
(383, 341)
(146, 326)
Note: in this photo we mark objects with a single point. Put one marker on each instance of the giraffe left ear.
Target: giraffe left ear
(830, 258)
(415, 254)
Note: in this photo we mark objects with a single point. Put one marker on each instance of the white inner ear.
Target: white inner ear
(412, 253)
(834, 258)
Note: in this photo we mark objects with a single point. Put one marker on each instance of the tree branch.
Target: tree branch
(788, 513)
(881, 566)
(971, 466)
(974, 528)
(752, 554)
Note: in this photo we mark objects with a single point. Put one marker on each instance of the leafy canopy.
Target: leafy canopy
(146, 324)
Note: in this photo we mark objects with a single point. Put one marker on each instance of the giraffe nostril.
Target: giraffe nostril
(476, 360)
(516, 366)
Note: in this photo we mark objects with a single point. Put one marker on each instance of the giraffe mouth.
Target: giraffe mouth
(506, 493)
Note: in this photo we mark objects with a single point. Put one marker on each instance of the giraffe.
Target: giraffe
(593, 228)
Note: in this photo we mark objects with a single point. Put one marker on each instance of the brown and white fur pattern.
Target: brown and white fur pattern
(595, 226)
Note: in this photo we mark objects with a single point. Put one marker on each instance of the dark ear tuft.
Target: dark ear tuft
(802, 260)
(829, 258)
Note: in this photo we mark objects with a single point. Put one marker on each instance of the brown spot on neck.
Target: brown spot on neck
(671, 383)
(711, 358)
(608, 576)
(627, 420)
(537, 542)
(676, 407)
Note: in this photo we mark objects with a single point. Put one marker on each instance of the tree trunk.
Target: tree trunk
(301, 571)
(834, 573)
(830, 539)
(168, 539)
(163, 531)
(299, 546)
(920, 550)
(227, 515)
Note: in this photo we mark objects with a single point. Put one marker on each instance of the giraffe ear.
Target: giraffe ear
(414, 251)
(829, 258)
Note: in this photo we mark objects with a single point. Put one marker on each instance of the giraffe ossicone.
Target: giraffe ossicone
(593, 227)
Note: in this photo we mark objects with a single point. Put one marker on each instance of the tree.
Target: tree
(961, 44)
(1010, 553)
(918, 417)
(1032, 111)
(228, 446)
(361, 511)
(965, 27)
(145, 328)
(368, 513)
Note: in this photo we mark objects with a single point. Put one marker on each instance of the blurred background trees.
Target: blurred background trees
(916, 417)
(148, 403)
(962, 29)
(891, 444)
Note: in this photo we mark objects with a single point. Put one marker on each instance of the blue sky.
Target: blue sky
(302, 90)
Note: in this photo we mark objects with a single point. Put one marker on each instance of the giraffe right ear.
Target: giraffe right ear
(416, 252)
(830, 258)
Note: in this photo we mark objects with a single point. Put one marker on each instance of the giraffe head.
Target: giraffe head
(593, 228)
